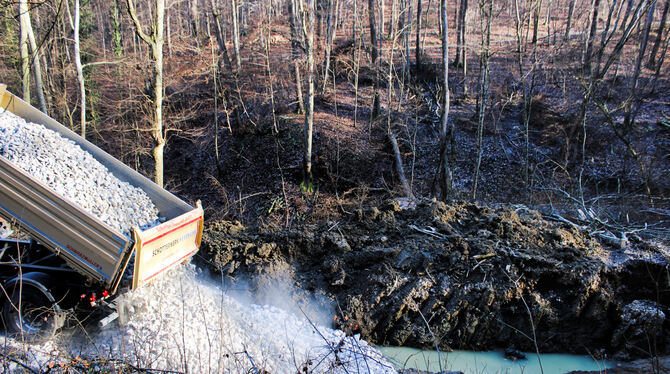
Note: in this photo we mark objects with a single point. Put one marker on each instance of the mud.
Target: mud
(480, 276)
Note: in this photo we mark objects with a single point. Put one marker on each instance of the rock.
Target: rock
(338, 241)
(514, 354)
(641, 322)
(265, 249)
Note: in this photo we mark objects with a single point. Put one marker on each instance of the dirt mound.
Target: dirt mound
(477, 275)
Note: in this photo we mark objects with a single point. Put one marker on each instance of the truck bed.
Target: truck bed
(87, 244)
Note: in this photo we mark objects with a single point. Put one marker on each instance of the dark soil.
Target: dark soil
(479, 276)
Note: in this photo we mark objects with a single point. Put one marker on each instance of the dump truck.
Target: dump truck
(73, 261)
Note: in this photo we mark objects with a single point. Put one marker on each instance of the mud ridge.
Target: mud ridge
(475, 274)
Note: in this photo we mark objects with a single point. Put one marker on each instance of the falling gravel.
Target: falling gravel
(185, 323)
(75, 174)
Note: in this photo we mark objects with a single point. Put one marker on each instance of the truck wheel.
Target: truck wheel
(31, 314)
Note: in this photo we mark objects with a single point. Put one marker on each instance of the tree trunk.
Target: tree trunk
(629, 120)
(444, 168)
(296, 47)
(24, 22)
(116, 29)
(37, 69)
(80, 71)
(236, 34)
(460, 34)
(329, 43)
(309, 114)
(536, 19)
(195, 21)
(571, 10)
(218, 31)
(606, 34)
(483, 89)
(417, 47)
(659, 36)
(155, 42)
(629, 8)
(374, 55)
(591, 35)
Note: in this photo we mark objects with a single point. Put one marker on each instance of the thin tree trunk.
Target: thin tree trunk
(236, 34)
(37, 69)
(356, 60)
(24, 22)
(483, 90)
(571, 10)
(374, 55)
(407, 189)
(536, 19)
(382, 10)
(417, 47)
(461, 34)
(407, 26)
(116, 29)
(629, 8)
(329, 43)
(218, 31)
(629, 120)
(606, 34)
(659, 36)
(80, 71)
(295, 48)
(309, 114)
(155, 42)
(444, 170)
(593, 27)
(195, 20)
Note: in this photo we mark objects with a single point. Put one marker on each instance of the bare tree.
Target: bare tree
(116, 29)
(308, 27)
(30, 57)
(218, 31)
(80, 70)
(445, 176)
(329, 42)
(417, 47)
(460, 58)
(483, 85)
(236, 33)
(659, 36)
(297, 44)
(537, 6)
(568, 26)
(593, 28)
(633, 103)
(374, 54)
(155, 42)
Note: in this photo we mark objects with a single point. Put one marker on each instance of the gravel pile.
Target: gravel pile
(75, 174)
(186, 323)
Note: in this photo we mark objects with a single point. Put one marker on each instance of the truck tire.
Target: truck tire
(29, 312)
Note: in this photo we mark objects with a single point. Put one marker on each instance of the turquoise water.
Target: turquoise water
(491, 362)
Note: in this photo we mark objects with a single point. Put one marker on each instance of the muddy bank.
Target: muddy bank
(477, 275)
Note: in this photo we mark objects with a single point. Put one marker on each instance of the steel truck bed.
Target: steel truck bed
(83, 241)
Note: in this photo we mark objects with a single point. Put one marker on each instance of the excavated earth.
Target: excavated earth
(479, 276)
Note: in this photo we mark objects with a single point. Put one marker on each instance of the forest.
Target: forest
(560, 105)
(542, 122)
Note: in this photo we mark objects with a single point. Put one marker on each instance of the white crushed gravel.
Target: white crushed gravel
(185, 324)
(73, 173)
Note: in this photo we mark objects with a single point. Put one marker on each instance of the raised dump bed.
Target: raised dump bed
(88, 245)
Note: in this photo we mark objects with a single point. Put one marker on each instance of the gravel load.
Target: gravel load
(75, 174)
